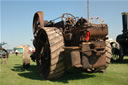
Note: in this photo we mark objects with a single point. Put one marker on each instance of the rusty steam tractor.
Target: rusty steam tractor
(71, 42)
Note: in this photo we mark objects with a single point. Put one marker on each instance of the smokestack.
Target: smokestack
(125, 21)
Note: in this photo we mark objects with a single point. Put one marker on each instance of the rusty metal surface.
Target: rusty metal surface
(38, 21)
(73, 47)
(97, 30)
(100, 62)
(76, 59)
(93, 54)
(72, 57)
(26, 56)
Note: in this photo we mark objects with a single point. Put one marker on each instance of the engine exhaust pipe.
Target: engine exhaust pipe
(125, 21)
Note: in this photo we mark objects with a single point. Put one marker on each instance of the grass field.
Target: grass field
(13, 73)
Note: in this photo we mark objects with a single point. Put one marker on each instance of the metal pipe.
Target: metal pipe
(88, 9)
(125, 21)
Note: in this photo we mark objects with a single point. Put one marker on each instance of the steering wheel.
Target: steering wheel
(68, 19)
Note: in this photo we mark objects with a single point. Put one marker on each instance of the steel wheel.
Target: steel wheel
(115, 54)
(121, 55)
(37, 22)
(49, 43)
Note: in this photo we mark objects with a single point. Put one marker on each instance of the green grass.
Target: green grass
(13, 73)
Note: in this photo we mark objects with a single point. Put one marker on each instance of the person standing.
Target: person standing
(16, 52)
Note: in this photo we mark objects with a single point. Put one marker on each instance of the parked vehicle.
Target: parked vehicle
(71, 42)
(122, 39)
